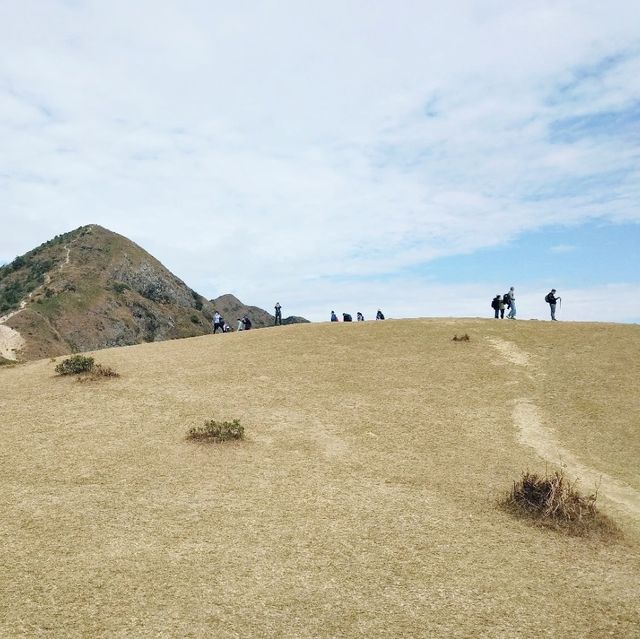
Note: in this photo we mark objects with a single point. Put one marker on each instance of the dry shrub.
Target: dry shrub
(462, 338)
(98, 371)
(217, 431)
(555, 502)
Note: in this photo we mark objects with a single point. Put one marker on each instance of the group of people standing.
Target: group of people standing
(500, 303)
(346, 317)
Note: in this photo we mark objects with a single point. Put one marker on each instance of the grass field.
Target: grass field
(362, 502)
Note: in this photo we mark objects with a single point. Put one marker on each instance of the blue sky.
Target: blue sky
(419, 156)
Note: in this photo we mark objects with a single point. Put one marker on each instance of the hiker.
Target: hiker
(226, 328)
(511, 303)
(360, 316)
(278, 314)
(240, 323)
(551, 299)
(218, 322)
(246, 322)
(379, 315)
(496, 302)
(346, 317)
(334, 317)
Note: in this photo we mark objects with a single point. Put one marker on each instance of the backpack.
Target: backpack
(546, 298)
(495, 303)
(506, 298)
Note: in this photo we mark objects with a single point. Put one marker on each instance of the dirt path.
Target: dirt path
(11, 343)
(532, 433)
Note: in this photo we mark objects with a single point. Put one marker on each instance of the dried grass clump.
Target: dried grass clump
(555, 502)
(462, 338)
(215, 431)
(98, 371)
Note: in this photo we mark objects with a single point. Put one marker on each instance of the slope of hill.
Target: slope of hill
(231, 308)
(361, 504)
(90, 289)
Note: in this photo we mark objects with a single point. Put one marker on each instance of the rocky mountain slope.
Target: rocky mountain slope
(91, 289)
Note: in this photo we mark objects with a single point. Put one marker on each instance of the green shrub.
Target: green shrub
(215, 431)
(74, 365)
(120, 287)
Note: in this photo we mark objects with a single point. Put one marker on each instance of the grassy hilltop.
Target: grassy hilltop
(362, 502)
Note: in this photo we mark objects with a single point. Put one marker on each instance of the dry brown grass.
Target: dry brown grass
(361, 503)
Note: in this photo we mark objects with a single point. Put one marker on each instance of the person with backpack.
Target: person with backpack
(346, 317)
(360, 316)
(510, 301)
(334, 317)
(551, 299)
(496, 303)
(246, 323)
(278, 314)
(379, 315)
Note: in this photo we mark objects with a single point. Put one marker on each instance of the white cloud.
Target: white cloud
(257, 147)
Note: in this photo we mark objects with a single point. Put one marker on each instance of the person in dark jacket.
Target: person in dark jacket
(496, 303)
(552, 300)
(278, 314)
(379, 315)
(334, 317)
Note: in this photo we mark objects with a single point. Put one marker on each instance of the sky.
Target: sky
(414, 156)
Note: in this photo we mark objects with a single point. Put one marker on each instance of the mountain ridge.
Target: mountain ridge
(92, 288)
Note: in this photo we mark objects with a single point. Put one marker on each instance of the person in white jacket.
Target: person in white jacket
(512, 301)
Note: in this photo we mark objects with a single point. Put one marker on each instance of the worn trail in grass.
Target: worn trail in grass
(526, 416)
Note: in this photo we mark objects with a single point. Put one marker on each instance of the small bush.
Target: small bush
(74, 365)
(462, 338)
(555, 502)
(85, 368)
(120, 287)
(217, 431)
